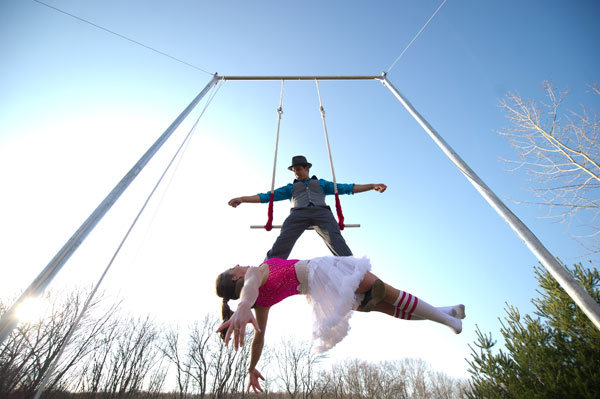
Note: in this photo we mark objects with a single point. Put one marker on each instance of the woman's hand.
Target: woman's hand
(254, 375)
(236, 325)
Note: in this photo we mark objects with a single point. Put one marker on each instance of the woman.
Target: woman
(334, 286)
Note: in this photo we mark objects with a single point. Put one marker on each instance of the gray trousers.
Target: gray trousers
(321, 219)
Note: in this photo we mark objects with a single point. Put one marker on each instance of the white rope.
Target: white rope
(168, 184)
(326, 137)
(123, 37)
(69, 334)
(279, 112)
(417, 35)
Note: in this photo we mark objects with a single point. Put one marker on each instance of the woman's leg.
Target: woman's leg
(457, 311)
(406, 306)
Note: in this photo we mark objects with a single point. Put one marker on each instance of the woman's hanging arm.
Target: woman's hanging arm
(262, 315)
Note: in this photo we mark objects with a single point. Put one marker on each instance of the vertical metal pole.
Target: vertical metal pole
(575, 291)
(9, 319)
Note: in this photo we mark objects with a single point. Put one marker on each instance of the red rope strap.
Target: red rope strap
(338, 208)
(269, 224)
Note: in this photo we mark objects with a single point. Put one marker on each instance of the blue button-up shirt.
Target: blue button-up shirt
(285, 192)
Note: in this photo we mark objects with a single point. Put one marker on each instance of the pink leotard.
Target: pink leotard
(281, 283)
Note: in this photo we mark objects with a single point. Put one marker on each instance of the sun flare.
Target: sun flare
(32, 310)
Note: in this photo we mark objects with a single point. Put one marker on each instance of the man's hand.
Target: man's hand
(253, 383)
(236, 325)
(235, 202)
(378, 187)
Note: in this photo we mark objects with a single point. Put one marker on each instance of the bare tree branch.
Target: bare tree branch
(561, 153)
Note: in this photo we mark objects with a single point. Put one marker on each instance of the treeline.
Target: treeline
(111, 355)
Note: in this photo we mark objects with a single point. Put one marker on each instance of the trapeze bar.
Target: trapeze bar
(325, 77)
(278, 226)
(585, 302)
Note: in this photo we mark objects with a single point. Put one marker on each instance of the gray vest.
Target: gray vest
(305, 194)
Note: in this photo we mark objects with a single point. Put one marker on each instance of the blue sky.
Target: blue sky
(78, 106)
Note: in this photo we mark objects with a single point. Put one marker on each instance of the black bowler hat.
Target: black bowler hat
(299, 160)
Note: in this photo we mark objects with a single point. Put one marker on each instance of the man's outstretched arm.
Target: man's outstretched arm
(359, 188)
(279, 194)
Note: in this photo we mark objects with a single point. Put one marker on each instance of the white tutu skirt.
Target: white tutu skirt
(332, 283)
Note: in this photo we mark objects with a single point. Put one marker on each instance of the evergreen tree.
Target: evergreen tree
(554, 354)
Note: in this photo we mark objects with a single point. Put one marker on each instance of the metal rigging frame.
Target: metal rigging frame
(575, 291)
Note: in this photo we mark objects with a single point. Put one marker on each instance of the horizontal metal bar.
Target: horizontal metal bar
(278, 226)
(316, 77)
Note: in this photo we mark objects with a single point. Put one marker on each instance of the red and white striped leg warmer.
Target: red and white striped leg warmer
(405, 305)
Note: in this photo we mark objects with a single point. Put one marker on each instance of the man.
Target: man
(308, 209)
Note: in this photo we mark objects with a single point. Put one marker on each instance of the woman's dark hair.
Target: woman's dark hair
(227, 289)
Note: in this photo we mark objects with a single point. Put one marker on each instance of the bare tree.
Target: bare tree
(325, 385)
(92, 377)
(394, 379)
(416, 371)
(360, 378)
(202, 337)
(203, 364)
(172, 351)
(156, 380)
(561, 152)
(227, 367)
(12, 360)
(296, 362)
(401, 379)
(26, 356)
(372, 380)
(126, 361)
(332, 382)
(352, 378)
(442, 386)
